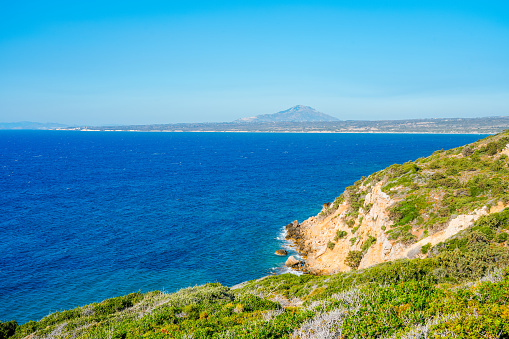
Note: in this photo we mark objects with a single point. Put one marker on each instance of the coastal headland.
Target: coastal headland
(401, 211)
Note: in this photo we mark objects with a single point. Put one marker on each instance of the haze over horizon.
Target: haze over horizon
(100, 63)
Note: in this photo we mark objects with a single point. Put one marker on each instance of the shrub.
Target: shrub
(353, 259)
(408, 167)
(491, 148)
(209, 293)
(444, 212)
(113, 305)
(407, 210)
(502, 237)
(330, 245)
(340, 235)
(7, 329)
(367, 244)
(451, 171)
(497, 166)
(467, 151)
(425, 248)
(338, 201)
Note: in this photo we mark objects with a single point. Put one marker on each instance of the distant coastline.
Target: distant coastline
(296, 132)
(487, 125)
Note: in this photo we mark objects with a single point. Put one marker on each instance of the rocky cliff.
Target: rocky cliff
(403, 210)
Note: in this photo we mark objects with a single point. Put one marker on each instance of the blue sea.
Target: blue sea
(87, 216)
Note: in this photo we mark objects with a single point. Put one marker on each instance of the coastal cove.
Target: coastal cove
(89, 216)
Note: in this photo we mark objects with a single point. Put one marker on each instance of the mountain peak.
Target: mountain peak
(297, 113)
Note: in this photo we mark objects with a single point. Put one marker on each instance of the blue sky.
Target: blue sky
(142, 62)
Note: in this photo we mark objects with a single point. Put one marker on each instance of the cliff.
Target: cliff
(403, 210)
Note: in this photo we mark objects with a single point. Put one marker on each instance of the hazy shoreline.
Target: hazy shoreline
(282, 132)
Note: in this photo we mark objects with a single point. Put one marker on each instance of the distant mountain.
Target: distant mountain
(29, 125)
(297, 113)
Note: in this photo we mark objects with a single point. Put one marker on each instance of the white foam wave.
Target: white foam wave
(290, 247)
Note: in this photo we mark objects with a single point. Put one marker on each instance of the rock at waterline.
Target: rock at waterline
(281, 252)
(292, 262)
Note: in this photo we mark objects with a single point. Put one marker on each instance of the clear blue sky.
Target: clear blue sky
(140, 62)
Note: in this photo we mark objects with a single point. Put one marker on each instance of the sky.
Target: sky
(147, 62)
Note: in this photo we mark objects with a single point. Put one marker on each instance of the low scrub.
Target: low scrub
(461, 289)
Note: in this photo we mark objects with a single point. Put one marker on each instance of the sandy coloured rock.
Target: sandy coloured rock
(292, 262)
(281, 252)
(374, 216)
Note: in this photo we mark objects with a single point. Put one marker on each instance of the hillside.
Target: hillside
(457, 287)
(402, 210)
(297, 113)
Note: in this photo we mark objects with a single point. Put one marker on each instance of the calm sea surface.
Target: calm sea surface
(86, 216)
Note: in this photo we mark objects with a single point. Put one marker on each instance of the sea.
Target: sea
(86, 216)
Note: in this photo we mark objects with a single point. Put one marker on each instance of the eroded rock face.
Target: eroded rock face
(312, 235)
(315, 233)
(394, 212)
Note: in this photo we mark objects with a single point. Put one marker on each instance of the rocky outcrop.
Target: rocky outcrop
(371, 216)
(292, 262)
(313, 235)
(281, 252)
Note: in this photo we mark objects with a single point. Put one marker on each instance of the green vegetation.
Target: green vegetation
(330, 245)
(340, 235)
(425, 248)
(7, 329)
(353, 259)
(431, 191)
(339, 200)
(461, 290)
(367, 244)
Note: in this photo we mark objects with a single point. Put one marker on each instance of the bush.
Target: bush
(209, 293)
(340, 235)
(467, 151)
(367, 244)
(425, 248)
(330, 245)
(497, 166)
(491, 148)
(338, 201)
(113, 305)
(353, 259)
(407, 210)
(502, 237)
(7, 329)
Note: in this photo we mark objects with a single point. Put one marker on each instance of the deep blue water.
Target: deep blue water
(88, 216)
